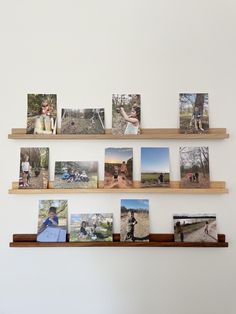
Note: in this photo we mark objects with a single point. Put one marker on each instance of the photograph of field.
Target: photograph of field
(82, 121)
(134, 220)
(195, 228)
(91, 227)
(155, 167)
(76, 175)
(126, 113)
(52, 221)
(193, 110)
(33, 172)
(194, 167)
(42, 114)
(118, 168)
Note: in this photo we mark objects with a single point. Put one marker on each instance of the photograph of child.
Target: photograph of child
(83, 121)
(33, 172)
(126, 113)
(52, 222)
(134, 220)
(118, 168)
(42, 114)
(195, 228)
(155, 167)
(76, 175)
(91, 227)
(194, 167)
(193, 109)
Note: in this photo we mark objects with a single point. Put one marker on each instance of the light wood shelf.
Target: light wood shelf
(165, 133)
(216, 187)
(155, 240)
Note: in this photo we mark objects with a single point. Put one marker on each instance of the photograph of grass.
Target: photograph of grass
(91, 227)
(194, 167)
(195, 228)
(52, 221)
(118, 168)
(134, 220)
(126, 113)
(33, 172)
(193, 110)
(155, 167)
(76, 175)
(82, 121)
(42, 114)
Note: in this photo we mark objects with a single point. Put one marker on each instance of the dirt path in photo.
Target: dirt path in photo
(200, 235)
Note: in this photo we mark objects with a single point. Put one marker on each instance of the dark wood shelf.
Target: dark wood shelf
(165, 133)
(156, 240)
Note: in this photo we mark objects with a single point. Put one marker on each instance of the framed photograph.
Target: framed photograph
(193, 111)
(155, 167)
(195, 228)
(33, 172)
(118, 168)
(126, 113)
(76, 175)
(42, 114)
(194, 167)
(52, 221)
(83, 121)
(91, 227)
(134, 220)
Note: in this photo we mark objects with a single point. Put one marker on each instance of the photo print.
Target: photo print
(194, 167)
(195, 228)
(83, 121)
(34, 168)
(193, 110)
(42, 114)
(91, 227)
(118, 168)
(126, 113)
(155, 167)
(76, 175)
(134, 220)
(52, 221)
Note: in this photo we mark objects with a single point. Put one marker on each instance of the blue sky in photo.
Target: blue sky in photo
(117, 155)
(155, 159)
(135, 203)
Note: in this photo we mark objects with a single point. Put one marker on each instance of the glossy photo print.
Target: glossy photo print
(83, 121)
(126, 114)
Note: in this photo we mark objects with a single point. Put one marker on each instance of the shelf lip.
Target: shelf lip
(216, 187)
(148, 133)
(156, 240)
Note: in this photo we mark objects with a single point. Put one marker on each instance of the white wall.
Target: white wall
(84, 51)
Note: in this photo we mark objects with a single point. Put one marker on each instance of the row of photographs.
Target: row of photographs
(134, 224)
(118, 169)
(126, 115)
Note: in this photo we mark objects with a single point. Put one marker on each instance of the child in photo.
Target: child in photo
(25, 167)
(52, 219)
(133, 125)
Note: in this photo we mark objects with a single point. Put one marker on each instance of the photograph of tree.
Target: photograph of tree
(126, 113)
(118, 168)
(82, 121)
(195, 228)
(42, 114)
(194, 167)
(76, 175)
(193, 110)
(155, 167)
(134, 220)
(34, 168)
(91, 227)
(52, 221)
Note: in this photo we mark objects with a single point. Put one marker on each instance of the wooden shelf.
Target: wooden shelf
(216, 133)
(216, 187)
(156, 240)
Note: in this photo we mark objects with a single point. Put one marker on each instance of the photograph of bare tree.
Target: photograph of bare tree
(193, 109)
(194, 167)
